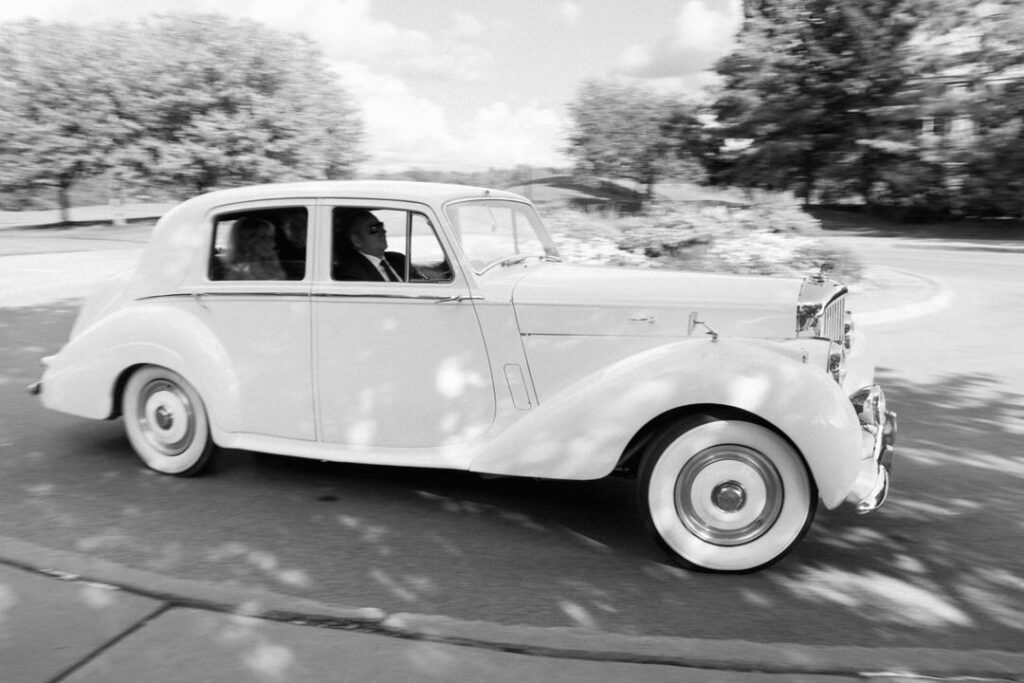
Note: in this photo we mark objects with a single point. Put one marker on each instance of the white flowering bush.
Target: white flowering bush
(597, 251)
(761, 251)
(588, 238)
(772, 236)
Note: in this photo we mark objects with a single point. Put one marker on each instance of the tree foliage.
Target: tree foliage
(621, 130)
(196, 101)
(914, 105)
(816, 85)
(973, 62)
(57, 119)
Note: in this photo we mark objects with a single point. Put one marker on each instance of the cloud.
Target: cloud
(703, 32)
(506, 136)
(468, 26)
(405, 130)
(570, 12)
(345, 30)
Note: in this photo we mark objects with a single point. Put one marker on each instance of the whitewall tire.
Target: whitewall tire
(725, 495)
(166, 422)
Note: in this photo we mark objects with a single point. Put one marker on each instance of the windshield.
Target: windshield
(493, 232)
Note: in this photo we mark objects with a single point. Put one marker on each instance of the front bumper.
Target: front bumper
(878, 432)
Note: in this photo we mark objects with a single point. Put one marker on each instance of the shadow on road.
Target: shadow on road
(942, 556)
(938, 566)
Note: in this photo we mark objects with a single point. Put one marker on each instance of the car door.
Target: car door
(397, 364)
(258, 307)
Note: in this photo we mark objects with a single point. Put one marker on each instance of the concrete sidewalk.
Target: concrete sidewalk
(55, 630)
(60, 626)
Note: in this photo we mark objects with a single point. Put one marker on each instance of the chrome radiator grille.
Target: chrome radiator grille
(821, 311)
(833, 320)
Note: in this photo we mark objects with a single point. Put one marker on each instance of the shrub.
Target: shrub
(771, 236)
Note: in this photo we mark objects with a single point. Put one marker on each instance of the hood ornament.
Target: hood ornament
(822, 275)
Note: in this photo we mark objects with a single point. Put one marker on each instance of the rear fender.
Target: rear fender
(82, 379)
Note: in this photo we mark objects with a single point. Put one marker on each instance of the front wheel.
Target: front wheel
(166, 422)
(725, 495)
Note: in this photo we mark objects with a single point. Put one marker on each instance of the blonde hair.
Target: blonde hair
(246, 264)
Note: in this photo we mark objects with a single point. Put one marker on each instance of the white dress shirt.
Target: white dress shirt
(383, 267)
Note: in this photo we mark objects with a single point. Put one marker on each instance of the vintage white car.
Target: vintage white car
(263, 318)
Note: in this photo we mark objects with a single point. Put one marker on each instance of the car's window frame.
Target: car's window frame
(219, 213)
(325, 241)
(548, 244)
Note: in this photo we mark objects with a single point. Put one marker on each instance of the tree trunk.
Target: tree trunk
(810, 171)
(64, 201)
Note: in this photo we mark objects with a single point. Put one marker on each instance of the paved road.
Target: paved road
(939, 566)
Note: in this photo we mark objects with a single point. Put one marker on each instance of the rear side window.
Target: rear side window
(262, 244)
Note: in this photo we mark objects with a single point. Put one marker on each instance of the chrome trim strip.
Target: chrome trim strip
(439, 298)
(190, 295)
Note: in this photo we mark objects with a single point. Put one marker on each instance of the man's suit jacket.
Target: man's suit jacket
(354, 266)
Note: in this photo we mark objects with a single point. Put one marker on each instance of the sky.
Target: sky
(464, 85)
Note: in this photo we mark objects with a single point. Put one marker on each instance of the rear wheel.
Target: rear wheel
(166, 422)
(725, 495)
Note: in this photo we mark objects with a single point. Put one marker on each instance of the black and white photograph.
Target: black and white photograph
(511, 340)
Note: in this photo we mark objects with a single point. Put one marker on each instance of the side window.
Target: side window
(263, 244)
(386, 245)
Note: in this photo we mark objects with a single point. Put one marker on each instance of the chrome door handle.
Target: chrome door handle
(458, 297)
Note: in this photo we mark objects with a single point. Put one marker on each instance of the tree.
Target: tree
(226, 102)
(814, 88)
(973, 64)
(621, 130)
(199, 101)
(56, 121)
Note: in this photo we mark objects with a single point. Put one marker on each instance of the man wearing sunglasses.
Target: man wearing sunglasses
(361, 249)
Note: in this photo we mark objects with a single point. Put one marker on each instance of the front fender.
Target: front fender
(583, 430)
(82, 378)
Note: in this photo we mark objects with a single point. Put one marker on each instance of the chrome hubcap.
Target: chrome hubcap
(165, 417)
(728, 495)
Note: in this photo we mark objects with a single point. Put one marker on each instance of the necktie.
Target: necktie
(389, 272)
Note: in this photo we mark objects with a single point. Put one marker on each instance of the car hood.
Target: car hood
(584, 300)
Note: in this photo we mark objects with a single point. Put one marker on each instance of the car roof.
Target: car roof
(432, 193)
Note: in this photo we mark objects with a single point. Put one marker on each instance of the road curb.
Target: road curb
(550, 642)
(882, 284)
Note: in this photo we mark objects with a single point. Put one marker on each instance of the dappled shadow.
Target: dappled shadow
(942, 556)
(48, 626)
(937, 566)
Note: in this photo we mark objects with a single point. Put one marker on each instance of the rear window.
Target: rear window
(263, 244)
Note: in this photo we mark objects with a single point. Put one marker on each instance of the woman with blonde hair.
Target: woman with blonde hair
(253, 253)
